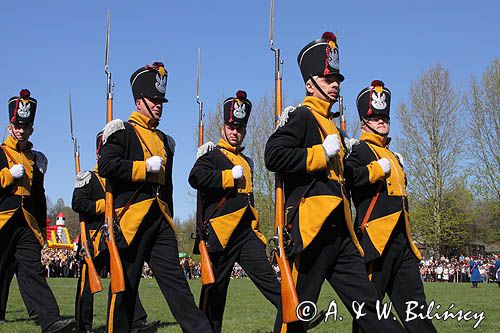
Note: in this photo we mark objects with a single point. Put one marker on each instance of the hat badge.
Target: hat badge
(24, 108)
(239, 110)
(333, 58)
(161, 83)
(378, 100)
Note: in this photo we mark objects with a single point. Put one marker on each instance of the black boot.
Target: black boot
(61, 326)
(143, 326)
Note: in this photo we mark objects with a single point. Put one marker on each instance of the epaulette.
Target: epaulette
(171, 143)
(82, 178)
(400, 159)
(283, 118)
(112, 127)
(41, 161)
(204, 148)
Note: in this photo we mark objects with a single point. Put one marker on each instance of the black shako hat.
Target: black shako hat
(320, 57)
(22, 108)
(374, 100)
(237, 109)
(150, 82)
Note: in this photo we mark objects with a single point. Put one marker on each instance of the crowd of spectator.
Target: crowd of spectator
(65, 263)
(456, 269)
(60, 262)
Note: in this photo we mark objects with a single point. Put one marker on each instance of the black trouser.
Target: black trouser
(332, 256)
(84, 306)
(17, 242)
(155, 243)
(245, 248)
(5, 288)
(396, 273)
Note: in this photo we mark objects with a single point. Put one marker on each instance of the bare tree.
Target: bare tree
(482, 101)
(431, 144)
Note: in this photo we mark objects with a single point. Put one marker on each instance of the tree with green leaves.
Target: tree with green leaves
(482, 102)
(431, 143)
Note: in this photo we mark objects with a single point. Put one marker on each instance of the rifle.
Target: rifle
(94, 280)
(289, 298)
(207, 273)
(115, 263)
(343, 125)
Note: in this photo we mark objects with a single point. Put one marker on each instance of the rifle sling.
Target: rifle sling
(370, 207)
(9, 154)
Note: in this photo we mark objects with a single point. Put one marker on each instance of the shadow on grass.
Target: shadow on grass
(102, 329)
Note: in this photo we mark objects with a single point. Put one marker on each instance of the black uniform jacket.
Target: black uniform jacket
(122, 162)
(26, 193)
(88, 201)
(313, 185)
(212, 175)
(364, 175)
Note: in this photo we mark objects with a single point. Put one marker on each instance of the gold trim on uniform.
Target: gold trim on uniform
(380, 230)
(152, 145)
(21, 186)
(5, 177)
(320, 207)
(100, 206)
(227, 179)
(138, 171)
(395, 181)
(396, 186)
(316, 158)
(244, 184)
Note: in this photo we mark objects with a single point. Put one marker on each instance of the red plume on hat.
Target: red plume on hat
(24, 93)
(329, 36)
(377, 83)
(241, 94)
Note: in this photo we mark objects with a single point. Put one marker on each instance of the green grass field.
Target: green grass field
(247, 310)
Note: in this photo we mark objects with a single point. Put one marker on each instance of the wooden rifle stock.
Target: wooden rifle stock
(115, 263)
(289, 298)
(94, 279)
(207, 272)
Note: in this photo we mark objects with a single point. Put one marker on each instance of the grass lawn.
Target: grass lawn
(247, 310)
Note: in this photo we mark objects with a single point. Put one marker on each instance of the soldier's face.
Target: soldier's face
(329, 84)
(20, 132)
(155, 105)
(378, 123)
(234, 134)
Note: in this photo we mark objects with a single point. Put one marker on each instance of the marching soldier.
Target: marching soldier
(378, 186)
(4, 293)
(136, 158)
(224, 176)
(23, 211)
(308, 151)
(88, 200)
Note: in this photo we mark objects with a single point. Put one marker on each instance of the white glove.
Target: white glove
(17, 171)
(331, 145)
(237, 171)
(153, 164)
(385, 164)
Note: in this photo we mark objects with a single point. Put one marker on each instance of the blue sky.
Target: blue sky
(55, 48)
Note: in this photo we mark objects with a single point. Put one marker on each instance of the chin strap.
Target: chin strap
(372, 129)
(325, 95)
(153, 121)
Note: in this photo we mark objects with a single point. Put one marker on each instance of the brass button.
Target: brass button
(366, 226)
(388, 182)
(390, 192)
